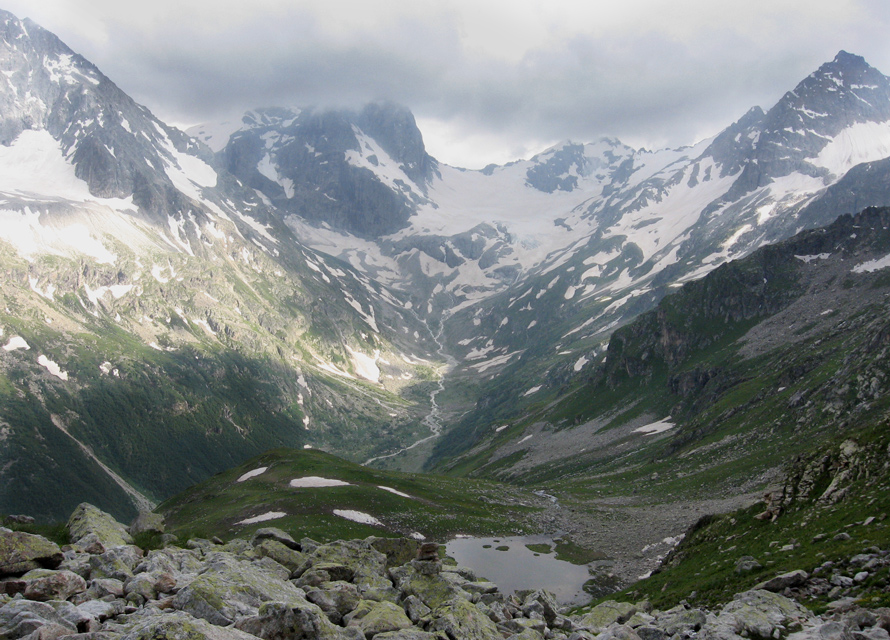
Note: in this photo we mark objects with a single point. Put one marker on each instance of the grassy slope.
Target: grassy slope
(438, 507)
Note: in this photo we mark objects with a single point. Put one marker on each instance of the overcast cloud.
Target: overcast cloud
(487, 80)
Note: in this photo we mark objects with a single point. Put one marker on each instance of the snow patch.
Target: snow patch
(16, 342)
(394, 491)
(580, 363)
(357, 516)
(316, 482)
(269, 515)
(52, 367)
(872, 265)
(532, 390)
(252, 474)
(655, 427)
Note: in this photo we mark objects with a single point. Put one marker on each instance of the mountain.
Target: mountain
(159, 322)
(174, 304)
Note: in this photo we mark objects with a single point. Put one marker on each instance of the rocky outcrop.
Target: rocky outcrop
(359, 590)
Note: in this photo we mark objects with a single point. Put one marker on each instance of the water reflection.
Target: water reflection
(517, 567)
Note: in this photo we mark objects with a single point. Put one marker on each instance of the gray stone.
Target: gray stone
(280, 621)
(229, 588)
(20, 552)
(147, 522)
(117, 562)
(827, 631)
(276, 534)
(459, 619)
(19, 618)
(780, 583)
(181, 626)
(398, 551)
(746, 564)
(607, 613)
(381, 617)
(88, 519)
(46, 584)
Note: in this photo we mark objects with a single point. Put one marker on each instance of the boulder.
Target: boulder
(46, 584)
(407, 634)
(381, 617)
(280, 621)
(607, 613)
(181, 626)
(276, 534)
(432, 590)
(21, 552)
(147, 522)
(460, 619)
(88, 519)
(280, 553)
(398, 551)
(229, 588)
(336, 599)
(784, 581)
(18, 618)
(117, 562)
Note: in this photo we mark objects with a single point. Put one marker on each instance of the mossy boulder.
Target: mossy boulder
(89, 520)
(460, 619)
(147, 522)
(607, 613)
(229, 588)
(181, 626)
(21, 552)
(381, 617)
(432, 590)
(18, 618)
(280, 621)
(46, 584)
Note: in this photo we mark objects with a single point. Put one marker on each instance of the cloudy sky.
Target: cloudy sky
(487, 80)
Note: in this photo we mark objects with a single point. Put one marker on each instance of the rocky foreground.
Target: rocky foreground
(103, 587)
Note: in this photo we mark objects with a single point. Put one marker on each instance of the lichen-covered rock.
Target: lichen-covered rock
(147, 522)
(398, 551)
(336, 599)
(229, 588)
(433, 590)
(276, 534)
(407, 634)
(46, 584)
(367, 565)
(21, 552)
(782, 582)
(280, 553)
(607, 613)
(117, 562)
(681, 620)
(756, 613)
(88, 519)
(280, 621)
(460, 619)
(19, 618)
(381, 617)
(181, 626)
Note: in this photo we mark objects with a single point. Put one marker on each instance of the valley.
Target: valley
(606, 344)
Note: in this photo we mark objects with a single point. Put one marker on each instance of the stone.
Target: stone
(407, 634)
(229, 588)
(46, 584)
(760, 613)
(681, 620)
(281, 553)
(19, 618)
(336, 599)
(280, 621)
(88, 519)
(784, 581)
(428, 551)
(460, 619)
(746, 564)
(117, 562)
(276, 534)
(21, 552)
(432, 590)
(415, 609)
(147, 522)
(181, 626)
(607, 613)
(827, 631)
(545, 601)
(382, 617)
(398, 551)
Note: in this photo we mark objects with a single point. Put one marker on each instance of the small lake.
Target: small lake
(517, 567)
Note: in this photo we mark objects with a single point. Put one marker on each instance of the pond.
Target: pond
(510, 564)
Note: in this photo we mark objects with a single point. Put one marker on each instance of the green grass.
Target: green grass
(438, 507)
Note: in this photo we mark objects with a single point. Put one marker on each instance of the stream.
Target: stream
(433, 420)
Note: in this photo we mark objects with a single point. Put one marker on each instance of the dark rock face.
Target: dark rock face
(328, 166)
